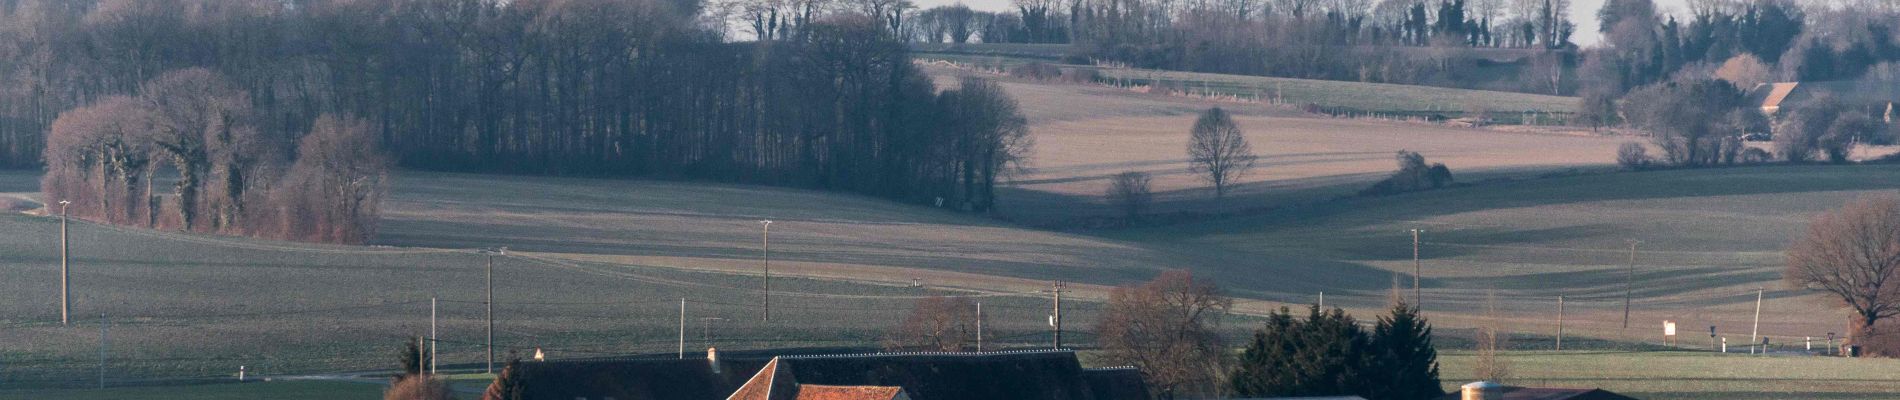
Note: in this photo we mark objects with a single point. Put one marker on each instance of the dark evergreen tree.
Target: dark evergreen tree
(1405, 365)
(1323, 355)
(412, 358)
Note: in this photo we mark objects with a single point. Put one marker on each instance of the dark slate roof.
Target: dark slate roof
(1028, 375)
(1046, 375)
(1116, 383)
(631, 379)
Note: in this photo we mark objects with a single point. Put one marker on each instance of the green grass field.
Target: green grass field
(1693, 375)
(1401, 100)
(290, 390)
(600, 266)
(1710, 238)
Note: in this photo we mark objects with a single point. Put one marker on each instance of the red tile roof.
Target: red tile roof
(824, 392)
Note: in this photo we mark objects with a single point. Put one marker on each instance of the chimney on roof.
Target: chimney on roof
(712, 358)
(1483, 390)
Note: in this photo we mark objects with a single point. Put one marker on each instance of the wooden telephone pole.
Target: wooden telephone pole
(1055, 320)
(65, 294)
(765, 258)
(1418, 296)
(1629, 283)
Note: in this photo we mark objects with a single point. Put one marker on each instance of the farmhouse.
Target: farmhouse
(1775, 97)
(1052, 375)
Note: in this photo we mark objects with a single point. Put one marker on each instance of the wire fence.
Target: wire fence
(598, 309)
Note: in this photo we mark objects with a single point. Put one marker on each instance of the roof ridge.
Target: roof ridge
(926, 353)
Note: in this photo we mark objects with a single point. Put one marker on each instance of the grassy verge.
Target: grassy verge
(313, 390)
(1693, 375)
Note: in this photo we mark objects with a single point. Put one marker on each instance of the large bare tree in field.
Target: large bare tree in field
(1854, 253)
(1169, 328)
(1218, 151)
(937, 324)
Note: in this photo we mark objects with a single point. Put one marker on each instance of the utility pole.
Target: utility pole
(419, 353)
(1629, 283)
(765, 258)
(682, 328)
(705, 329)
(65, 295)
(1418, 298)
(1322, 299)
(432, 337)
(1056, 319)
(979, 327)
(1560, 323)
(1754, 333)
(105, 326)
(490, 302)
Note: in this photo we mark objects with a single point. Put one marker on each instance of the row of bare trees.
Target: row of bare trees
(196, 132)
(572, 87)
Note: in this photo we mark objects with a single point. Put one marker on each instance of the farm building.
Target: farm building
(1494, 391)
(1775, 97)
(1052, 375)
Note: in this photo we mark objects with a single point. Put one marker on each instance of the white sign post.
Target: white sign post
(1669, 333)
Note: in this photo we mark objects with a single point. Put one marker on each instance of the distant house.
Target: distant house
(1775, 97)
(1494, 391)
(1051, 375)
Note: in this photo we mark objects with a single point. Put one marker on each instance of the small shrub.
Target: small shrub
(1848, 130)
(1081, 76)
(1632, 156)
(1756, 156)
(1129, 192)
(1036, 71)
(418, 388)
(1414, 174)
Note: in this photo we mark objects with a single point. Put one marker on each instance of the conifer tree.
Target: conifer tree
(1406, 363)
(1323, 355)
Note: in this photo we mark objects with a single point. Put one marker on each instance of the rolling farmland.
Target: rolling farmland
(598, 266)
(1085, 134)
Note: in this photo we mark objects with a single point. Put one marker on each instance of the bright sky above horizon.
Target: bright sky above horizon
(1582, 12)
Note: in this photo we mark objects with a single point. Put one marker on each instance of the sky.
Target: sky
(1582, 12)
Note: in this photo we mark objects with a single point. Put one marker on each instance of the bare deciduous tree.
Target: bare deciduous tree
(1853, 253)
(1168, 328)
(1745, 71)
(334, 191)
(1218, 151)
(1488, 366)
(1129, 192)
(1632, 155)
(937, 324)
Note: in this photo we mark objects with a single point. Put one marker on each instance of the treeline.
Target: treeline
(1688, 83)
(1522, 45)
(829, 99)
(197, 132)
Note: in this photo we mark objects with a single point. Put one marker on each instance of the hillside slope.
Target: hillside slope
(1085, 134)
